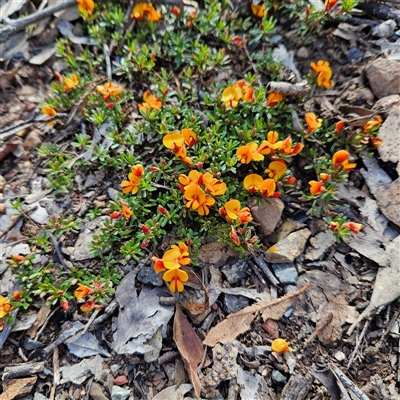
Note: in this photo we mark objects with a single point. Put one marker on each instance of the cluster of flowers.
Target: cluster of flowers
(109, 90)
(196, 188)
(323, 73)
(241, 90)
(85, 291)
(177, 142)
(340, 162)
(150, 102)
(171, 263)
(147, 11)
(134, 179)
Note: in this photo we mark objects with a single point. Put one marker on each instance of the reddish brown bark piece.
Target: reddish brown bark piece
(189, 347)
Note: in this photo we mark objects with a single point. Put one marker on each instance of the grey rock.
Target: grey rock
(119, 393)
(278, 378)
(40, 215)
(39, 396)
(267, 214)
(234, 304)
(354, 54)
(320, 244)
(286, 273)
(147, 275)
(289, 311)
(385, 29)
(29, 344)
(289, 248)
(384, 77)
(235, 272)
(389, 201)
(284, 230)
(389, 150)
(96, 392)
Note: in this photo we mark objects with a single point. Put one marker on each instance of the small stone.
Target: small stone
(385, 29)
(119, 393)
(32, 140)
(289, 248)
(278, 378)
(303, 53)
(96, 392)
(147, 275)
(26, 90)
(389, 150)
(234, 303)
(236, 272)
(29, 344)
(120, 380)
(2, 183)
(354, 54)
(100, 204)
(16, 388)
(39, 396)
(384, 77)
(387, 103)
(286, 273)
(340, 356)
(320, 244)
(389, 201)
(267, 214)
(284, 230)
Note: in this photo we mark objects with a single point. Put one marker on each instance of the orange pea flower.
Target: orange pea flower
(280, 345)
(190, 137)
(249, 153)
(5, 306)
(258, 10)
(232, 211)
(253, 182)
(49, 111)
(316, 187)
(82, 291)
(313, 122)
(371, 124)
(145, 10)
(171, 259)
(276, 169)
(289, 180)
(267, 188)
(150, 101)
(376, 142)
(173, 141)
(130, 186)
(109, 89)
(176, 277)
(70, 83)
(214, 186)
(334, 226)
(324, 177)
(85, 6)
(197, 199)
(354, 227)
(231, 96)
(248, 95)
(126, 211)
(244, 215)
(158, 264)
(274, 98)
(234, 236)
(324, 71)
(329, 4)
(88, 305)
(194, 177)
(339, 126)
(341, 160)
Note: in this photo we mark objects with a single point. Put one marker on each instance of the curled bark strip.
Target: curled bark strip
(23, 370)
(381, 11)
(289, 89)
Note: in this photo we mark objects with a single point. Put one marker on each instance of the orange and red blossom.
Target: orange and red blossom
(5, 306)
(70, 83)
(324, 177)
(267, 188)
(150, 101)
(340, 160)
(130, 186)
(232, 211)
(231, 96)
(249, 152)
(339, 126)
(373, 123)
(274, 98)
(49, 111)
(286, 147)
(258, 10)
(376, 142)
(189, 136)
(115, 215)
(329, 4)
(85, 6)
(176, 277)
(213, 185)
(109, 89)
(175, 142)
(352, 226)
(162, 210)
(126, 211)
(198, 200)
(316, 187)
(276, 169)
(334, 226)
(82, 291)
(234, 236)
(253, 182)
(145, 10)
(280, 345)
(18, 258)
(88, 306)
(324, 71)
(17, 295)
(64, 305)
(313, 122)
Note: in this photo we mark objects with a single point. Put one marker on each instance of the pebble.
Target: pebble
(147, 275)
(119, 393)
(278, 378)
(267, 214)
(303, 53)
(340, 356)
(286, 273)
(96, 392)
(354, 54)
(234, 303)
(236, 272)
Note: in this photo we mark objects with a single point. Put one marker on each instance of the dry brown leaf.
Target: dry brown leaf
(189, 347)
(196, 308)
(240, 322)
(41, 318)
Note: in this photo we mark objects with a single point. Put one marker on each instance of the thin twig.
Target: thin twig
(56, 373)
(348, 383)
(107, 312)
(264, 268)
(106, 52)
(358, 344)
(92, 318)
(17, 219)
(58, 251)
(43, 327)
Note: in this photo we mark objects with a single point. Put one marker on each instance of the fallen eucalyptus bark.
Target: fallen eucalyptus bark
(18, 371)
(13, 26)
(289, 89)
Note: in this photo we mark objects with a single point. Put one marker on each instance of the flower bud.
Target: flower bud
(162, 210)
(339, 126)
(17, 258)
(166, 91)
(145, 229)
(199, 165)
(154, 169)
(64, 305)
(144, 244)
(115, 215)
(17, 295)
(176, 11)
(233, 235)
(110, 105)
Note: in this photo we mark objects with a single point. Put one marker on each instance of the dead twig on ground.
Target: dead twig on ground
(58, 251)
(348, 383)
(267, 272)
(289, 89)
(358, 344)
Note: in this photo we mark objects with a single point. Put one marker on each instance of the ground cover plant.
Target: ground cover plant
(177, 107)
